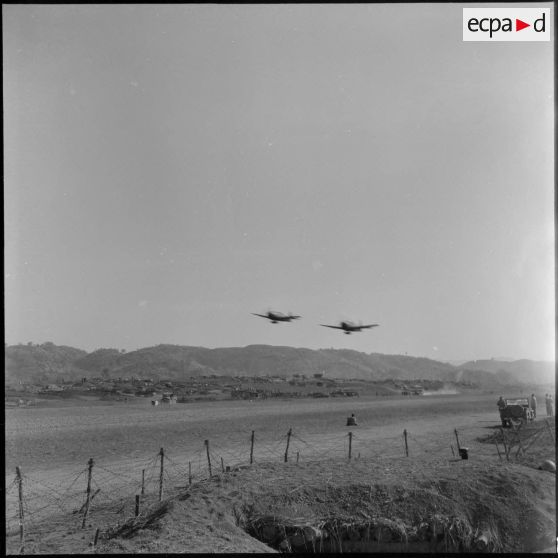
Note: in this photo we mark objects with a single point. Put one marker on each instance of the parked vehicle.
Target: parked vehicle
(516, 411)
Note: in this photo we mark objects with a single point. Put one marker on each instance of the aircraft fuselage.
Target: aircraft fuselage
(275, 317)
(349, 327)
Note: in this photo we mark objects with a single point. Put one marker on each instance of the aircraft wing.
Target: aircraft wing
(334, 327)
(260, 315)
(370, 325)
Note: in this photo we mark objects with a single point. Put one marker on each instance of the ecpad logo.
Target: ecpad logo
(494, 24)
(506, 24)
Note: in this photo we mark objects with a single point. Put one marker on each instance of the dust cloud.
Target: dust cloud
(446, 390)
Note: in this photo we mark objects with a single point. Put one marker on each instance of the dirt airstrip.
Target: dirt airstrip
(379, 500)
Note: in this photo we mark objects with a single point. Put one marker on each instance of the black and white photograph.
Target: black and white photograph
(279, 278)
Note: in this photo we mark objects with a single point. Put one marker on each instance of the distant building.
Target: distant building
(54, 387)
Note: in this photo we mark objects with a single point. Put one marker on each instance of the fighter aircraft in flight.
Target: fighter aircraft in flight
(349, 327)
(275, 317)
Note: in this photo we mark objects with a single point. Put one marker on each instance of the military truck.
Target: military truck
(516, 411)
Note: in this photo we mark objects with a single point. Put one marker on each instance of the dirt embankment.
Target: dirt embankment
(363, 506)
(414, 505)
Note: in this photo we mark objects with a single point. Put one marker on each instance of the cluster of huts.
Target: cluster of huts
(167, 398)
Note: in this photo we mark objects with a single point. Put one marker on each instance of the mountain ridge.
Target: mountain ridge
(51, 363)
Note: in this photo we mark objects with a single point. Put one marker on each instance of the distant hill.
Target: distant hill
(175, 361)
(41, 363)
(49, 363)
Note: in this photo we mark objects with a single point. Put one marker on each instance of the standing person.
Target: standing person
(533, 404)
(547, 403)
(551, 404)
(501, 406)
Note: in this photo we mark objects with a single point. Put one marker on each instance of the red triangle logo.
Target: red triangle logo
(519, 25)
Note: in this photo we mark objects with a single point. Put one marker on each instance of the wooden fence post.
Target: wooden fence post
(162, 454)
(457, 438)
(137, 504)
(88, 500)
(96, 537)
(452, 452)
(288, 442)
(252, 449)
(406, 446)
(208, 457)
(506, 450)
(350, 444)
(189, 472)
(497, 449)
(20, 497)
(518, 438)
(142, 482)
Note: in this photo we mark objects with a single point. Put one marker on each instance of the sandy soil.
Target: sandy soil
(47, 438)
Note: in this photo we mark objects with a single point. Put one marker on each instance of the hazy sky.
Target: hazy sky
(171, 169)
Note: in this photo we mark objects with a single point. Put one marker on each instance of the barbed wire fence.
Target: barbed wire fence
(105, 496)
